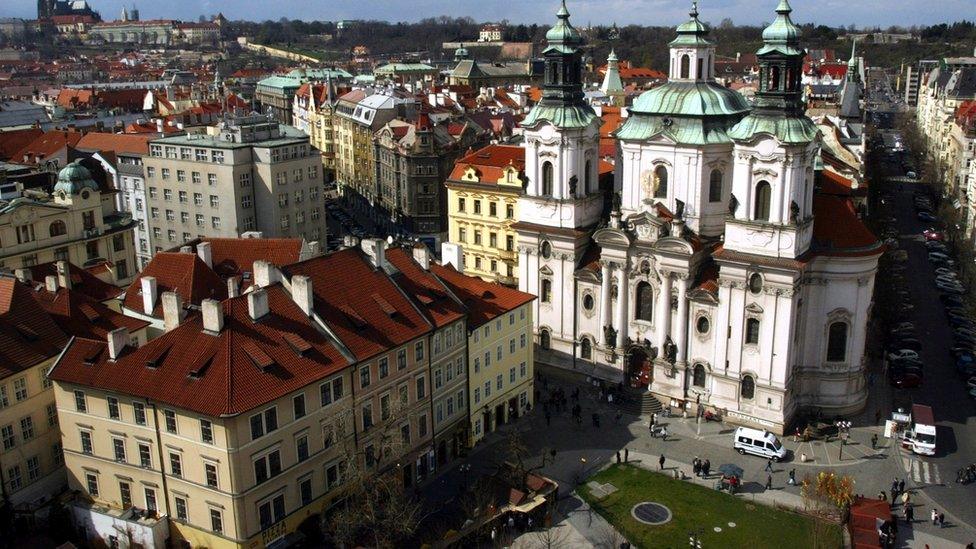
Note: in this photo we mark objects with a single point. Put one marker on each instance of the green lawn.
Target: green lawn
(695, 507)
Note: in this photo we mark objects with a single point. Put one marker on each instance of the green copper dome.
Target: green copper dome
(782, 35)
(787, 130)
(692, 33)
(563, 36)
(73, 178)
(690, 99)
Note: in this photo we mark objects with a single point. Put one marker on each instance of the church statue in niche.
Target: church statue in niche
(611, 334)
(794, 212)
(733, 205)
(573, 182)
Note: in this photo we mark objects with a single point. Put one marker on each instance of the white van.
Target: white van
(758, 442)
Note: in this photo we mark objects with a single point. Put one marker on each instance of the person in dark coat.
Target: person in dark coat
(661, 462)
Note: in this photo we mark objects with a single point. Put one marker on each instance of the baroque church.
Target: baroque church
(719, 273)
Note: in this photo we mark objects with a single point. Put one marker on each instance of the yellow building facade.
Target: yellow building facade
(483, 192)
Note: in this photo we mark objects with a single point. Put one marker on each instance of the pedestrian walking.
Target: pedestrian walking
(664, 433)
(653, 419)
(769, 482)
(894, 490)
(706, 467)
(792, 481)
(660, 461)
(901, 486)
(941, 520)
(909, 514)
(882, 496)
(935, 516)
(906, 498)
(696, 466)
(769, 466)
(874, 441)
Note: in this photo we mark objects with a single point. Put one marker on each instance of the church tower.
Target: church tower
(771, 207)
(562, 201)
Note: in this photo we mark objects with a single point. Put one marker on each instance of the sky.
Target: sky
(834, 13)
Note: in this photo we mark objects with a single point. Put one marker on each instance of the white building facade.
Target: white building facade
(710, 282)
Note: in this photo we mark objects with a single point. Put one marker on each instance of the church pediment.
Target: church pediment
(754, 308)
(608, 237)
(545, 270)
(674, 244)
(648, 227)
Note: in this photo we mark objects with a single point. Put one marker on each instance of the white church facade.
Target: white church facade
(716, 273)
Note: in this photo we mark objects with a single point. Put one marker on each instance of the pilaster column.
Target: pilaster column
(682, 340)
(605, 311)
(623, 295)
(664, 311)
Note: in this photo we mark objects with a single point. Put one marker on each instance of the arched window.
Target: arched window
(588, 302)
(547, 178)
(837, 342)
(660, 182)
(774, 79)
(546, 291)
(698, 376)
(752, 331)
(588, 178)
(645, 302)
(701, 67)
(685, 66)
(58, 228)
(755, 283)
(715, 186)
(545, 340)
(586, 348)
(764, 195)
(546, 250)
(748, 388)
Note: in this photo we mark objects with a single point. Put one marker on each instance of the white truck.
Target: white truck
(919, 435)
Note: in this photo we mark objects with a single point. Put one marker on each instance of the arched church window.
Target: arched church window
(546, 250)
(645, 302)
(698, 376)
(774, 79)
(586, 348)
(588, 178)
(547, 178)
(660, 182)
(58, 228)
(752, 331)
(545, 339)
(837, 342)
(764, 195)
(715, 186)
(748, 388)
(701, 68)
(685, 66)
(546, 291)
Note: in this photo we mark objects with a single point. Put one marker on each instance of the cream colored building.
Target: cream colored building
(313, 114)
(77, 223)
(253, 175)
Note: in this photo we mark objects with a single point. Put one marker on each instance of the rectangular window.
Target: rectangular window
(118, 447)
(367, 416)
(421, 388)
(305, 490)
(57, 453)
(27, 428)
(385, 409)
(422, 425)
(487, 389)
(511, 375)
(81, 404)
(364, 377)
(521, 369)
(461, 205)
(145, 456)
(52, 415)
(211, 179)
(20, 389)
(267, 466)
(139, 413)
(125, 495)
(438, 379)
(216, 521)
(298, 405)
(113, 408)
(182, 197)
(170, 417)
(302, 447)
(7, 434)
(91, 482)
(477, 395)
(401, 359)
(181, 513)
(86, 442)
(384, 367)
(206, 431)
(167, 194)
(198, 199)
(175, 464)
(498, 382)
(477, 207)
(211, 471)
(195, 177)
(181, 176)
(419, 351)
(151, 500)
(752, 331)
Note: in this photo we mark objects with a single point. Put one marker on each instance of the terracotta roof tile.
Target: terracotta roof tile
(117, 143)
(838, 231)
(183, 273)
(46, 145)
(81, 281)
(15, 140)
(424, 288)
(483, 300)
(81, 316)
(212, 374)
(490, 162)
(236, 256)
(28, 335)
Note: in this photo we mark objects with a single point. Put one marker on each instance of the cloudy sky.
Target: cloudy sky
(654, 12)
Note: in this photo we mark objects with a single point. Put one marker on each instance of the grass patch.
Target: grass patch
(696, 508)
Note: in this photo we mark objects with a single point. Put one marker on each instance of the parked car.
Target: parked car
(950, 288)
(936, 246)
(932, 234)
(905, 343)
(901, 354)
(906, 380)
(945, 271)
(925, 216)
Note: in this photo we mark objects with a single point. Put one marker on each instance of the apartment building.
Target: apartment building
(253, 175)
(312, 113)
(233, 427)
(413, 158)
(482, 201)
(500, 351)
(78, 222)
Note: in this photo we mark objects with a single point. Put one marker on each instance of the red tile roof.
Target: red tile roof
(183, 273)
(833, 183)
(115, 142)
(236, 256)
(346, 288)
(215, 375)
(28, 335)
(428, 293)
(15, 140)
(490, 162)
(81, 281)
(837, 230)
(484, 300)
(46, 145)
(81, 316)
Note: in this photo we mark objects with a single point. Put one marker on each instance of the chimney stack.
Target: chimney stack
(233, 286)
(51, 283)
(186, 249)
(213, 316)
(375, 248)
(314, 248)
(148, 294)
(172, 310)
(23, 275)
(265, 274)
(64, 275)
(257, 303)
(421, 255)
(452, 254)
(118, 339)
(301, 293)
(205, 253)
(350, 241)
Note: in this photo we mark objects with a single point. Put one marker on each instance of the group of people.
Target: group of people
(701, 467)
(658, 431)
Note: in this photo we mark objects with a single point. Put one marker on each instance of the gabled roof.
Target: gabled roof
(183, 273)
(118, 143)
(837, 231)
(28, 335)
(81, 316)
(46, 145)
(483, 300)
(236, 256)
(215, 375)
(81, 281)
(427, 293)
(490, 162)
(360, 303)
(12, 141)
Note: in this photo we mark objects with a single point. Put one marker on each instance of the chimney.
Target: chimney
(186, 249)
(172, 310)
(213, 316)
(350, 241)
(118, 339)
(51, 283)
(148, 294)
(23, 275)
(314, 248)
(301, 293)
(452, 254)
(233, 286)
(257, 303)
(265, 274)
(64, 275)
(421, 255)
(205, 253)
(159, 121)
(375, 248)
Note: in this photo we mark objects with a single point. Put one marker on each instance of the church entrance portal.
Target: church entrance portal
(640, 369)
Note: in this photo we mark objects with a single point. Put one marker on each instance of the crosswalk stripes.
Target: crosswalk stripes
(920, 471)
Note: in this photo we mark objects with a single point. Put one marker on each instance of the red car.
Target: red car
(931, 234)
(906, 380)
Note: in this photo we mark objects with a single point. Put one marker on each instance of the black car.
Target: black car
(904, 343)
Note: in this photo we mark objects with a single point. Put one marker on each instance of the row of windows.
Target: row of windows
(19, 391)
(186, 153)
(17, 477)
(171, 424)
(462, 237)
(499, 383)
(183, 198)
(492, 208)
(498, 353)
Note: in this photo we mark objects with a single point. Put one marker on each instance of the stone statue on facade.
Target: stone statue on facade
(611, 334)
(679, 209)
(670, 350)
(794, 212)
(616, 201)
(573, 183)
(733, 205)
